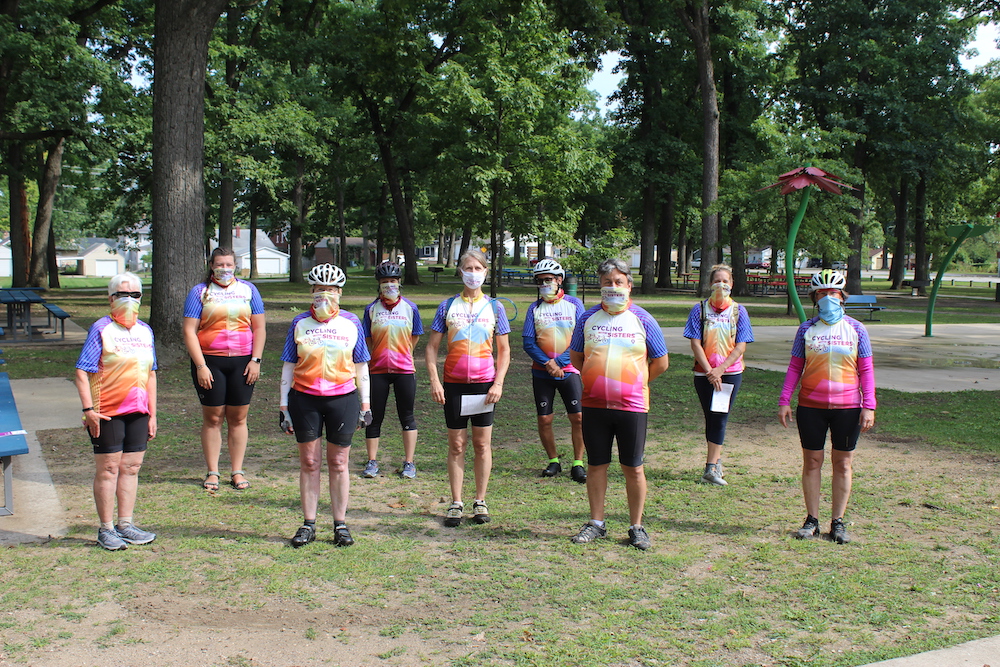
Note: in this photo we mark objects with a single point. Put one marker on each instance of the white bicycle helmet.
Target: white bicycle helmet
(327, 274)
(827, 279)
(548, 266)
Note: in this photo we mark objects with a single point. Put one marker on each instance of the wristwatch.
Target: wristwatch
(255, 359)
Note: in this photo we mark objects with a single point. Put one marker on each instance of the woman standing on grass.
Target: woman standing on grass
(392, 327)
(719, 330)
(224, 330)
(832, 356)
(116, 380)
(324, 383)
(471, 320)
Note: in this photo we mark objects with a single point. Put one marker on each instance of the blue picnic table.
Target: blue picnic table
(19, 302)
(12, 441)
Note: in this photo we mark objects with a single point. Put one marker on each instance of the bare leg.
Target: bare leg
(812, 470)
(310, 463)
(546, 435)
(714, 452)
(597, 489)
(212, 417)
(457, 439)
(482, 437)
(106, 484)
(237, 435)
(338, 458)
(371, 444)
(409, 444)
(842, 476)
(128, 482)
(635, 489)
(576, 429)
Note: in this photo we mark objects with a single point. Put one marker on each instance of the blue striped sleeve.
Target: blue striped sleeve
(440, 324)
(193, 303)
(90, 355)
(256, 303)
(418, 324)
(656, 346)
(744, 331)
(361, 352)
(693, 327)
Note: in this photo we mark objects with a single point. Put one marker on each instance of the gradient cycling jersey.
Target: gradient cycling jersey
(324, 353)
(548, 329)
(470, 327)
(224, 330)
(833, 363)
(719, 332)
(118, 362)
(616, 351)
(391, 331)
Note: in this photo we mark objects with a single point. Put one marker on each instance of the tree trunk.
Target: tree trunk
(253, 238)
(295, 228)
(856, 229)
(366, 245)
(182, 29)
(449, 258)
(647, 268)
(47, 184)
(682, 246)
(466, 242)
(227, 193)
(695, 17)
(496, 248)
(20, 228)
(516, 260)
(665, 242)
(342, 222)
(380, 237)
(53, 260)
(921, 269)
(739, 256)
(901, 203)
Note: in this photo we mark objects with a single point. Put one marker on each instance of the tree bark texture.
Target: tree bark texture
(253, 238)
(665, 240)
(901, 203)
(20, 227)
(647, 262)
(227, 193)
(295, 228)
(49, 181)
(921, 269)
(342, 223)
(183, 28)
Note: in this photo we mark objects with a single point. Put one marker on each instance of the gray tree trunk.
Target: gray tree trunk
(49, 181)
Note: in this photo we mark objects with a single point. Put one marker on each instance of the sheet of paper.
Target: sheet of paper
(475, 404)
(721, 397)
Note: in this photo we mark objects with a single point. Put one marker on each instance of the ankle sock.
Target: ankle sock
(107, 525)
(554, 460)
(577, 462)
(124, 520)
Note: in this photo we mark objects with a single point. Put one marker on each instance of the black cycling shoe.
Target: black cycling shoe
(342, 537)
(838, 533)
(578, 474)
(304, 536)
(552, 469)
(809, 529)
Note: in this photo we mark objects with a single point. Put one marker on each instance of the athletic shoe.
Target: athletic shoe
(109, 539)
(304, 536)
(371, 469)
(578, 474)
(342, 537)
(480, 513)
(453, 517)
(552, 469)
(589, 533)
(809, 529)
(638, 538)
(838, 533)
(409, 470)
(713, 475)
(134, 535)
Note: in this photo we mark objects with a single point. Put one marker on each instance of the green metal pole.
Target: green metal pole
(790, 255)
(940, 275)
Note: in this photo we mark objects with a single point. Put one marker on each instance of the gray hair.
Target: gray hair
(614, 264)
(476, 254)
(117, 281)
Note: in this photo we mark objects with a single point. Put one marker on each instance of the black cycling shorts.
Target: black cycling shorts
(453, 392)
(124, 433)
(844, 425)
(715, 422)
(405, 389)
(602, 426)
(310, 414)
(229, 385)
(570, 388)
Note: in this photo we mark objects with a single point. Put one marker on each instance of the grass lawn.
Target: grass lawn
(724, 584)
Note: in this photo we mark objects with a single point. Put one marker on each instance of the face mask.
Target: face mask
(326, 305)
(614, 299)
(831, 309)
(389, 292)
(720, 296)
(223, 276)
(125, 311)
(549, 291)
(473, 279)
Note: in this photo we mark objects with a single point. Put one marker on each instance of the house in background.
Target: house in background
(270, 260)
(96, 257)
(6, 260)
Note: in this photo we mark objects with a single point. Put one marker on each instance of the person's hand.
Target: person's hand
(92, 420)
(285, 420)
(251, 372)
(554, 369)
(494, 393)
(364, 419)
(867, 419)
(785, 415)
(714, 376)
(437, 392)
(151, 430)
(205, 378)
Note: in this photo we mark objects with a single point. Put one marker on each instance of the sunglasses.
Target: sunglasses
(134, 295)
(546, 281)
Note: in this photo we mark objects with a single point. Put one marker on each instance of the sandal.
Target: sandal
(239, 486)
(211, 486)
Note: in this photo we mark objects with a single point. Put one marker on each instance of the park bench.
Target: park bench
(863, 302)
(915, 285)
(12, 441)
(58, 313)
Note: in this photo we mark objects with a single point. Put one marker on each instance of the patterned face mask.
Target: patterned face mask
(326, 305)
(389, 292)
(614, 299)
(223, 276)
(125, 311)
(549, 291)
(473, 279)
(720, 296)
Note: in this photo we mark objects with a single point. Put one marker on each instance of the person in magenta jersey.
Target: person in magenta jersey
(116, 380)
(832, 362)
(548, 328)
(224, 331)
(392, 327)
(719, 330)
(619, 349)
(324, 384)
(471, 321)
